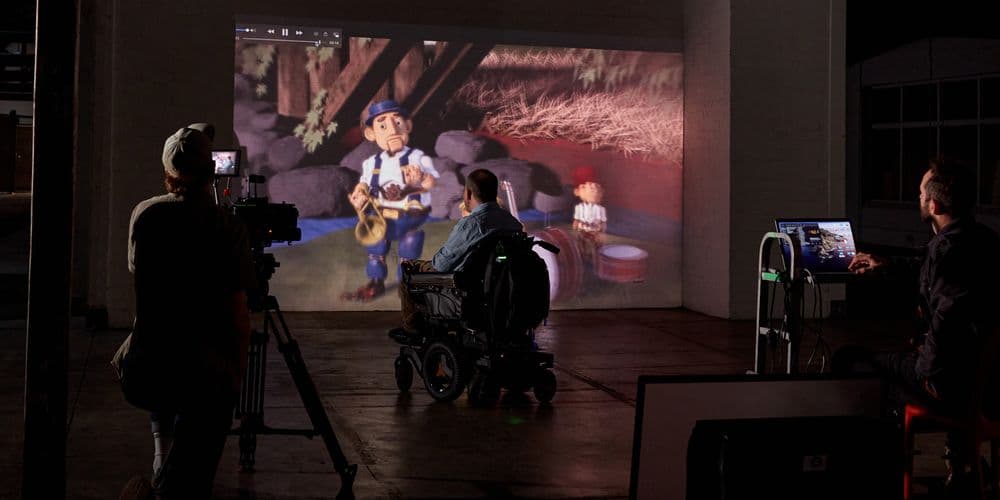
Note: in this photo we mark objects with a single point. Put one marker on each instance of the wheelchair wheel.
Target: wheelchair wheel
(545, 386)
(404, 374)
(485, 390)
(444, 374)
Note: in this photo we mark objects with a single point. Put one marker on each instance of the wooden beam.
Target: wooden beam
(323, 73)
(364, 76)
(451, 69)
(410, 69)
(293, 82)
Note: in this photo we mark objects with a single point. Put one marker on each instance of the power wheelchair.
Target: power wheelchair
(477, 325)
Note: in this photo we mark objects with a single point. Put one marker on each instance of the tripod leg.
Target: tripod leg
(289, 348)
(251, 405)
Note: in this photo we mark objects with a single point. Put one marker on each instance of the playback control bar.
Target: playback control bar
(310, 35)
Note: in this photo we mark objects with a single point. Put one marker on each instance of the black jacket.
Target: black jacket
(959, 280)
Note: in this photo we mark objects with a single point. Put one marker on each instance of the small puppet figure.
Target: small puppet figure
(399, 180)
(589, 217)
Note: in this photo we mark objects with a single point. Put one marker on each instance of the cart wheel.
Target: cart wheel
(444, 375)
(404, 374)
(545, 386)
(485, 390)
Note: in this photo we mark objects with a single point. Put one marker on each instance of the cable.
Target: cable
(812, 353)
(770, 311)
(79, 387)
(821, 344)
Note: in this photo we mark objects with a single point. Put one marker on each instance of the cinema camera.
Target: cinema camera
(266, 223)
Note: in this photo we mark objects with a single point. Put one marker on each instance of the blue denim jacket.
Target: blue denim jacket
(484, 220)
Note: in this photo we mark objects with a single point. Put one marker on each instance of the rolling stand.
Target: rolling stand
(789, 333)
(250, 409)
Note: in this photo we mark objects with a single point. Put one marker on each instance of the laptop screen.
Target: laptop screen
(827, 245)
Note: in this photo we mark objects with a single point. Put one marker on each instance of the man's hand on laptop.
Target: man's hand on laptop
(865, 262)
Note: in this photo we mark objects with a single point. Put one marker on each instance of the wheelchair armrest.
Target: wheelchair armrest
(548, 246)
(433, 279)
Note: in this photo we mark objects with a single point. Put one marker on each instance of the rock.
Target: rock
(242, 87)
(546, 202)
(466, 148)
(359, 154)
(257, 145)
(518, 172)
(443, 164)
(285, 153)
(546, 180)
(264, 121)
(318, 191)
(244, 113)
(446, 194)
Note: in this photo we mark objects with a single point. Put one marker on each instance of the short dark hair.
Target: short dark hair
(952, 185)
(482, 184)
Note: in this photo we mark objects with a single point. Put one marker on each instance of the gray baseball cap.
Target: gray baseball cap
(188, 151)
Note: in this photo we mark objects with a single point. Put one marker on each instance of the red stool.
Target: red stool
(918, 418)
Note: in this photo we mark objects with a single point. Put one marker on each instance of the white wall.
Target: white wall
(779, 67)
(787, 148)
(707, 104)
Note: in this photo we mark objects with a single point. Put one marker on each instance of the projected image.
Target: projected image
(372, 138)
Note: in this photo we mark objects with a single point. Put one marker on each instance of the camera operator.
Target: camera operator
(192, 267)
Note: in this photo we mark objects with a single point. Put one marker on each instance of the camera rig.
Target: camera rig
(269, 223)
(266, 224)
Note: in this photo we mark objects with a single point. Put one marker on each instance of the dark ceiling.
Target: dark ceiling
(873, 26)
(17, 15)
(876, 26)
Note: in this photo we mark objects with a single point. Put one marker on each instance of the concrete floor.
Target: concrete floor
(407, 445)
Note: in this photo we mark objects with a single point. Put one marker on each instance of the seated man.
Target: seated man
(959, 296)
(485, 218)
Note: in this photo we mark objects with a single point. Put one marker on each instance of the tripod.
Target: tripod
(250, 409)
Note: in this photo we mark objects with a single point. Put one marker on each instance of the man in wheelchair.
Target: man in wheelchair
(485, 219)
(468, 314)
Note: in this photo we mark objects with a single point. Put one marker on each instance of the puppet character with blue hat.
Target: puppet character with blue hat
(398, 180)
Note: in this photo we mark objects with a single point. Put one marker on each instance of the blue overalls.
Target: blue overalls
(404, 229)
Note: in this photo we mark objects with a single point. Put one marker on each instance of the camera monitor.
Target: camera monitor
(227, 162)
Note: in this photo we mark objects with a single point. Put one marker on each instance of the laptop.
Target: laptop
(827, 245)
